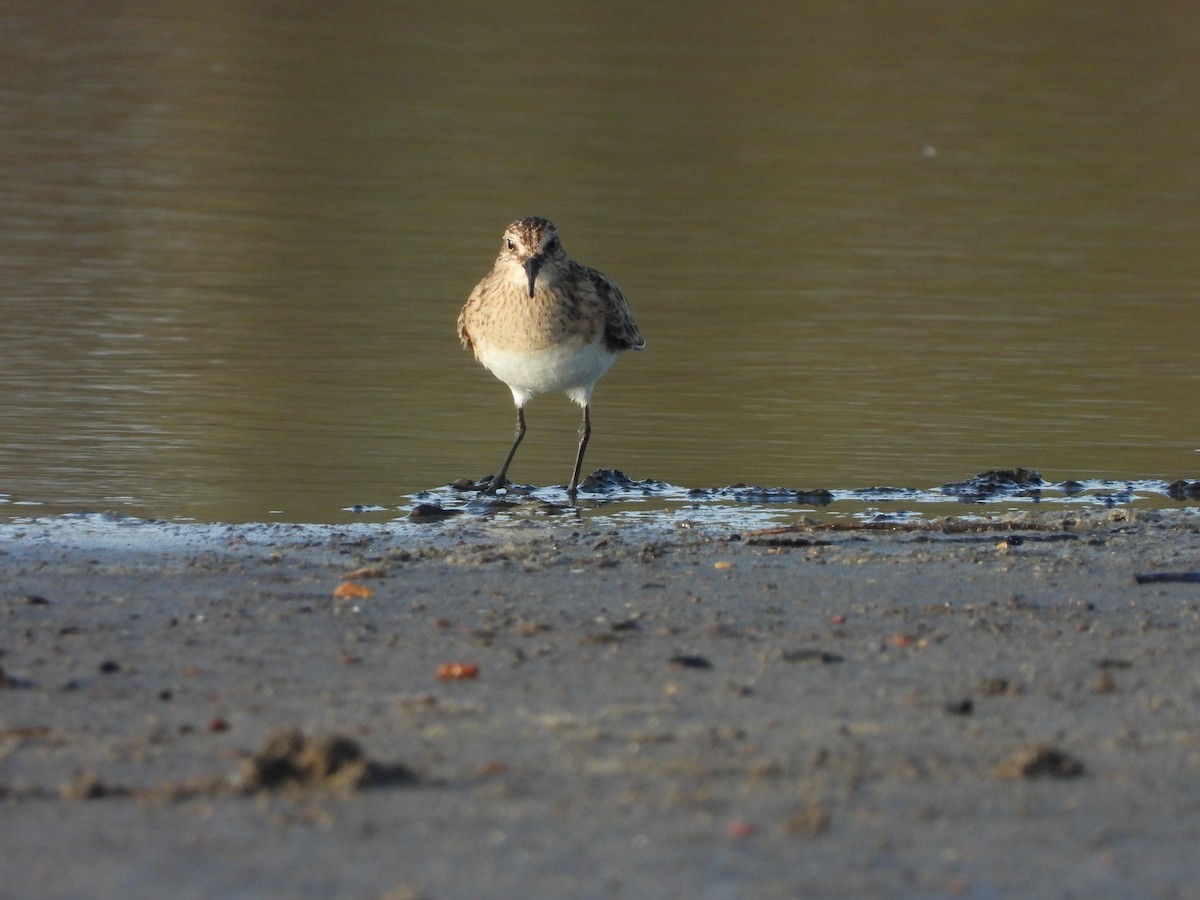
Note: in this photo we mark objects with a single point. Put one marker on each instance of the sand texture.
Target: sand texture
(498, 708)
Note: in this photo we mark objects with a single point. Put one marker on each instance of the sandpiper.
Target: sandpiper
(542, 324)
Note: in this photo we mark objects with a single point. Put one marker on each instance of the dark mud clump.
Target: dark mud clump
(88, 786)
(432, 512)
(1040, 761)
(999, 482)
(1184, 490)
(1167, 577)
(290, 759)
(808, 655)
(691, 661)
(611, 481)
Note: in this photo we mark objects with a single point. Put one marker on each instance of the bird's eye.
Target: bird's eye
(553, 245)
(509, 243)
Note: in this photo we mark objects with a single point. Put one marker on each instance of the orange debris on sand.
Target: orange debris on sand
(352, 590)
(457, 671)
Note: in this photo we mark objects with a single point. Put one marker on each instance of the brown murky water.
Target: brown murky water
(879, 244)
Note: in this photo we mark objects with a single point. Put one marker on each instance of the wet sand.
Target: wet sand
(559, 708)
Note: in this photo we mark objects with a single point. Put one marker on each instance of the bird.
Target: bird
(543, 324)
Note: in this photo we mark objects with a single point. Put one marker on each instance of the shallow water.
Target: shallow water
(886, 246)
(612, 498)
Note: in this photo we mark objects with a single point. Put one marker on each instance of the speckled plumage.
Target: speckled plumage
(543, 323)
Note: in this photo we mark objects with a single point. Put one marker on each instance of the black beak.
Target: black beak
(532, 265)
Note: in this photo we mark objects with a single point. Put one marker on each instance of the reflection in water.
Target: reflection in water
(874, 246)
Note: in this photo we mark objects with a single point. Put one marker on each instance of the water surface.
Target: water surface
(879, 244)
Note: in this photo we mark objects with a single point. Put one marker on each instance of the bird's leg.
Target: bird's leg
(585, 432)
(501, 478)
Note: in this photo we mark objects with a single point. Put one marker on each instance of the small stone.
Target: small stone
(688, 661)
(808, 655)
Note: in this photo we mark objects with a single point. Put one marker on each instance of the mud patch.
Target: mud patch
(291, 760)
(1040, 761)
(1008, 482)
(613, 493)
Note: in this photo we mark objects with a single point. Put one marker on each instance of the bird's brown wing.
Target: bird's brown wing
(620, 331)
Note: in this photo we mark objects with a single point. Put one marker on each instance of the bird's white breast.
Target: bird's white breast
(572, 368)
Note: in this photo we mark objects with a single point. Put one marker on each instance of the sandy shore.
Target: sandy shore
(994, 709)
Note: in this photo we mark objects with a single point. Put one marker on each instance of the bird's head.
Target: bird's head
(531, 243)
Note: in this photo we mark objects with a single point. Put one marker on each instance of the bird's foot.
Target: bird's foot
(494, 484)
